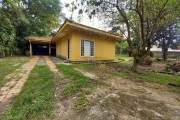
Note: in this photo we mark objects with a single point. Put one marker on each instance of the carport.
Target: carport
(41, 46)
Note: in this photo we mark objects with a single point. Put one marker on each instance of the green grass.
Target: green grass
(148, 76)
(79, 85)
(87, 67)
(81, 103)
(124, 59)
(77, 81)
(151, 77)
(36, 100)
(142, 76)
(9, 65)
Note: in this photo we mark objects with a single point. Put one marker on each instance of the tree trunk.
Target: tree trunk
(165, 54)
(2, 54)
(135, 65)
(164, 51)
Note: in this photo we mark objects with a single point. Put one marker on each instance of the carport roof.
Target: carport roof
(46, 39)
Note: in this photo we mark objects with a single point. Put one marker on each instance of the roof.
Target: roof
(67, 25)
(46, 39)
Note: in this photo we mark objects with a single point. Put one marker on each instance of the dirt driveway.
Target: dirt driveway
(123, 100)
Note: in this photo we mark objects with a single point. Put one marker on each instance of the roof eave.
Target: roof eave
(68, 22)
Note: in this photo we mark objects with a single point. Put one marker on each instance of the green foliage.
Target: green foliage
(7, 35)
(42, 15)
(36, 100)
(122, 46)
(22, 18)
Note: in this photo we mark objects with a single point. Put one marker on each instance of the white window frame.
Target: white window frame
(90, 47)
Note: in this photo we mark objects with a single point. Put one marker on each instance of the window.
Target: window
(87, 48)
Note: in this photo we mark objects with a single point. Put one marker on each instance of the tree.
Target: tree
(42, 15)
(167, 38)
(21, 18)
(122, 47)
(141, 18)
(7, 36)
(10, 15)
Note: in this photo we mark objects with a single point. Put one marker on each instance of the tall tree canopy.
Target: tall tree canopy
(21, 18)
(42, 15)
(139, 20)
(169, 37)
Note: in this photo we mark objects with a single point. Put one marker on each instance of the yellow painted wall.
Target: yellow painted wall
(103, 49)
(62, 45)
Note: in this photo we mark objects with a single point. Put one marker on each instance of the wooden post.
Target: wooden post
(49, 48)
(30, 47)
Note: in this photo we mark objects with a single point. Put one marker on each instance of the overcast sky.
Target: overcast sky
(65, 10)
(84, 20)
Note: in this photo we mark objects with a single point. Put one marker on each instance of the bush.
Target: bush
(175, 66)
(147, 61)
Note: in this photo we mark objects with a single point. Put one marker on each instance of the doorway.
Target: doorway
(68, 48)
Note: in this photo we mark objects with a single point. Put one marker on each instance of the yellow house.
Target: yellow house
(77, 42)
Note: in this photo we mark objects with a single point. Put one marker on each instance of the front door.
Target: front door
(68, 48)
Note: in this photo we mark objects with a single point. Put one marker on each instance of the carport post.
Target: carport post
(30, 52)
(49, 48)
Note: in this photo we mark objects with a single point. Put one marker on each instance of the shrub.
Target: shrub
(147, 61)
(175, 66)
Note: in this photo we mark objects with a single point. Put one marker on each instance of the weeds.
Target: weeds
(78, 84)
(81, 103)
(9, 65)
(36, 100)
(143, 76)
(76, 80)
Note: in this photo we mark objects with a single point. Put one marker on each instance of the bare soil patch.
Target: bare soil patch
(123, 100)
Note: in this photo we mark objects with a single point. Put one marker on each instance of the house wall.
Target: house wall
(104, 49)
(62, 46)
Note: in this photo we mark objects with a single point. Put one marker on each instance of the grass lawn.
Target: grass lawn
(36, 100)
(124, 59)
(9, 65)
(78, 85)
(143, 76)
(76, 79)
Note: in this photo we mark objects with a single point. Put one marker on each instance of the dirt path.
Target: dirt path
(65, 104)
(129, 100)
(14, 86)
